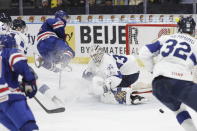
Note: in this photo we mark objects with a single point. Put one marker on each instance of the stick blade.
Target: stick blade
(49, 110)
(58, 110)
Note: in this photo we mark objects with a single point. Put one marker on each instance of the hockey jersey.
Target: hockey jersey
(21, 40)
(13, 63)
(174, 56)
(52, 27)
(113, 67)
(8, 41)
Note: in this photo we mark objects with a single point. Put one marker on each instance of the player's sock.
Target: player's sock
(184, 119)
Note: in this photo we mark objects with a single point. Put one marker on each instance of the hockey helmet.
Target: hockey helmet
(186, 25)
(5, 18)
(62, 15)
(96, 54)
(19, 25)
(3, 28)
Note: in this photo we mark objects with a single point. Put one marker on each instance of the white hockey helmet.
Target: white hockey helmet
(96, 53)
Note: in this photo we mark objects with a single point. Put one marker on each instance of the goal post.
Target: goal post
(139, 34)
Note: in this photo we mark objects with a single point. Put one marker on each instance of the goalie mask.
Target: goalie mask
(186, 25)
(96, 54)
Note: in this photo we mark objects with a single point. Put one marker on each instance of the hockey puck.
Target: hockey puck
(161, 111)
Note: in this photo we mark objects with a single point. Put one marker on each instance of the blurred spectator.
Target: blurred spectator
(45, 7)
(89, 18)
(142, 18)
(108, 2)
(58, 4)
(92, 2)
(100, 18)
(42, 19)
(150, 18)
(54, 3)
(120, 2)
(123, 18)
(68, 19)
(79, 18)
(99, 2)
(31, 19)
(82, 3)
(161, 18)
(112, 18)
(171, 18)
(132, 18)
(135, 2)
(45, 4)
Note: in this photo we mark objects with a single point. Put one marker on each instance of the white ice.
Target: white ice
(85, 112)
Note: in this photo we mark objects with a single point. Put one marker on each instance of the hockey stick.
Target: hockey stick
(60, 79)
(57, 110)
(141, 92)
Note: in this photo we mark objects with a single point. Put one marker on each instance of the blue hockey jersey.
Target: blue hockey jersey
(8, 41)
(13, 63)
(52, 27)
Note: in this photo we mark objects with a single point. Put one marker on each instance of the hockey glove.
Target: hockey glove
(29, 88)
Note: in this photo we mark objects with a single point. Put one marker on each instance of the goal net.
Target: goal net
(138, 35)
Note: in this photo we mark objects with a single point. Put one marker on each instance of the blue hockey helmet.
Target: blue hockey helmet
(60, 14)
(186, 25)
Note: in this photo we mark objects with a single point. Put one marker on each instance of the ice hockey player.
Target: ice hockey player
(172, 84)
(5, 37)
(51, 43)
(7, 20)
(114, 74)
(18, 30)
(15, 113)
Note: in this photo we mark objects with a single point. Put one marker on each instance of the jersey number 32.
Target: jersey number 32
(181, 52)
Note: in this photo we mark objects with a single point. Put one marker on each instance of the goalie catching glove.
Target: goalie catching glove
(29, 88)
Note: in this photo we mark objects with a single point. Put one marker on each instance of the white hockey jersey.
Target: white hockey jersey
(112, 68)
(21, 40)
(175, 56)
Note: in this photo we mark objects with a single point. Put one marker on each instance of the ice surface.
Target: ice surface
(86, 113)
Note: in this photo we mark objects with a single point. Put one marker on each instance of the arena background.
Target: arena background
(106, 30)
